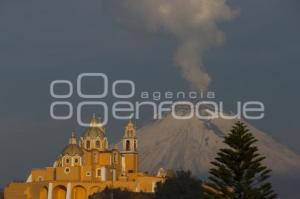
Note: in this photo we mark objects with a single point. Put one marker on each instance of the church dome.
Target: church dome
(95, 130)
(72, 150)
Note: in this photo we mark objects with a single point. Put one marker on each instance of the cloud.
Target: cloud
(193, 23)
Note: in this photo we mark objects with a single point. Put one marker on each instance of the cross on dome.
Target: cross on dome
(95, 122)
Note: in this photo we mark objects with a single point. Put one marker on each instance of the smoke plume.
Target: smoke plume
(192, 22)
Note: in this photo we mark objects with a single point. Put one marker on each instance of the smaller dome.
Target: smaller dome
(72, 150)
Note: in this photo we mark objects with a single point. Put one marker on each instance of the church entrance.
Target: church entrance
(44, 193)
(59, 192)
(79, 192)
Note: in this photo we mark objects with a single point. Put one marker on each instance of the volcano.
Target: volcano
(193, 143)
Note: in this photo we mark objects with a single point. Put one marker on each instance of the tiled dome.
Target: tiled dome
(72, 150)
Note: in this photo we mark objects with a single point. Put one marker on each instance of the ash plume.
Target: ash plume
(193, 23)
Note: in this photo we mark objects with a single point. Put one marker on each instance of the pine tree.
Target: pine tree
(238, 171)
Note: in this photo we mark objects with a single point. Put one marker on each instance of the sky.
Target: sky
(41, 41)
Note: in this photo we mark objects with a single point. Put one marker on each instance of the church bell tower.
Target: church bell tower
(130, 152)
(129, 139)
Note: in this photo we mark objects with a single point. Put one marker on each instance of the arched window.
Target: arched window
(77, 160)
(88, 144)
(97, 144)
(127, 145)
(98, 173)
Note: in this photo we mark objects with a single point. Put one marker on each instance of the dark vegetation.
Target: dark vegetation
(120, 194)
(181, 186)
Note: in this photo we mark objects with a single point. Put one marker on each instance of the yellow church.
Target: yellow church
(86, 166)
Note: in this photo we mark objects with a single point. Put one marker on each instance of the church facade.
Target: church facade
(86, 166)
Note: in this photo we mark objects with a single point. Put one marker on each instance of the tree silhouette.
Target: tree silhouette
(238, 171)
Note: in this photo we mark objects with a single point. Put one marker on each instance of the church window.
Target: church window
(127, 145)
(88, 173)
(97, 144)
(67, 160)
(67, 170)
(76, 160)
(98, 172)
(88, 144)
